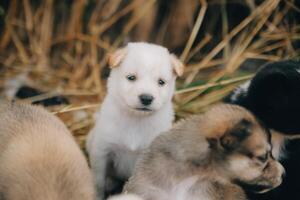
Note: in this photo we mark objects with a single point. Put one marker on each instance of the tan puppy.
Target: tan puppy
(208, 157)
(39, 158)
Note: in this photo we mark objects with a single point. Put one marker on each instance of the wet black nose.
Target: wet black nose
(146, 99)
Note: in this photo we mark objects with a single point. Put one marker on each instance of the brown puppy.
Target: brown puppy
(39, 159)
(209, 157)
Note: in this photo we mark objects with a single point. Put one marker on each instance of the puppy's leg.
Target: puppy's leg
(99, 160)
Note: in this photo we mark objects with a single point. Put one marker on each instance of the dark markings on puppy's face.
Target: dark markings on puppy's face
(243, 152)
(232, 139)
(250, 161)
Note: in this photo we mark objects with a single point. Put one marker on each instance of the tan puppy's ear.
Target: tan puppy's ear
(115, 58)
(233, 138)
(177, 65)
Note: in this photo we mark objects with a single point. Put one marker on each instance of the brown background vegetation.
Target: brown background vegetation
(61, 46)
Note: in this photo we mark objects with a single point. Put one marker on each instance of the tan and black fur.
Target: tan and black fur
(39, 159)
(209, 157)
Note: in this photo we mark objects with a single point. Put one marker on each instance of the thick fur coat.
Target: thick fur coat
(39, 158)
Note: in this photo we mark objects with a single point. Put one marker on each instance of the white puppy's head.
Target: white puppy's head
(143, 76)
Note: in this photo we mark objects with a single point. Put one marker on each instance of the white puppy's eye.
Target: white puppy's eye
(131, 77)
(161, 82)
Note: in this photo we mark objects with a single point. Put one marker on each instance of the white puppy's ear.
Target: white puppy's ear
(177, 65)
(115, 58)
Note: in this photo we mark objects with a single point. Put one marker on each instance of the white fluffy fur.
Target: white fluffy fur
(120, 129)
(240, 91)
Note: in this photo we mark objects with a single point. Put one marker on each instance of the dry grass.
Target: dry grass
(62, 48)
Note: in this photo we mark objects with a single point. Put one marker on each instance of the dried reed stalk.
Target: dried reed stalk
(66, 55)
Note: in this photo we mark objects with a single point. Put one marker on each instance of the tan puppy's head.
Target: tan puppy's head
(241, 148)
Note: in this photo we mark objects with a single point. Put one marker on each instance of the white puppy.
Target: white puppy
(137, 108)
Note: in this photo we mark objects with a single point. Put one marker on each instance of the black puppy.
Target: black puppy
(273, 95)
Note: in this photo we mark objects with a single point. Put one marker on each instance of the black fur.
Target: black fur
(274, 97)
(26, 92)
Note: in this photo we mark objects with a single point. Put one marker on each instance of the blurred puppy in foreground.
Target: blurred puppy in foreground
(39, 158)
(212, 156)
(137, 108)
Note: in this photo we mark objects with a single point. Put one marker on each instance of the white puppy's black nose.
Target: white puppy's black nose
(146, 99)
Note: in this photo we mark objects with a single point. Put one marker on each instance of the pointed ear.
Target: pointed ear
(232, 139)
(115, 58)
(177, 65)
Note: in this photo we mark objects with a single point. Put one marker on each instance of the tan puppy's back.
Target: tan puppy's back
(39, 158)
